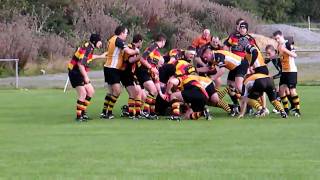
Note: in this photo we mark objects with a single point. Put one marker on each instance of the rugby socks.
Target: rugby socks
(151, 101)
(222, 93)
(296, 102)
(146, 107)
(86, 103)
(175, 108)
(111, 103)
(224, 105)
(277, 105)
(131, 104)
(80, 108)
(290, 98)
(254, 103)
(233, 95)
(138, 104)
(285, 101)
(196, 115)
(106, 103)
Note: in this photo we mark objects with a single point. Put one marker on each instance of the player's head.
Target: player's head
(243, 28)
(278, 36)
(206, 34)
(96, 40)
(215, 41)
(240, 20)
(122, 32)
(270, 51)
(137, 40)
(190, 53)
(207, 54)
(161, 40)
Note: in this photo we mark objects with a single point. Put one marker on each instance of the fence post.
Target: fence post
(309, 23)
(17, 73)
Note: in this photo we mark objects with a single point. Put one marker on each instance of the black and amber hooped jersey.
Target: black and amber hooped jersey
(226, 59)
(126, 64)
(256, 60)
(115, 53)
(251, 78)
(287, 62)
(83, 54)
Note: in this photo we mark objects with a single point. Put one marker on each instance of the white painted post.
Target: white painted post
(17, 73)
(309, 23)
(66, 85)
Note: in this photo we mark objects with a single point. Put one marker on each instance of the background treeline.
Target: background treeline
(44, 33)
(278, 10)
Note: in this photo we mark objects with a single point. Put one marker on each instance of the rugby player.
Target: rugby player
(78, 69)
(112, 68)
(289, 73)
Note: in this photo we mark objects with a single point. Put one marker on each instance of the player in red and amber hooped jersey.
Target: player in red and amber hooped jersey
(174, 54)
(237, 42)
(148, 74)
(178, 67)
(189, 90)
(78, 74)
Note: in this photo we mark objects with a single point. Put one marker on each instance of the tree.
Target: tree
(275, 10)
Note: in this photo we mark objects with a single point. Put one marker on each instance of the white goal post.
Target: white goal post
(16, 69)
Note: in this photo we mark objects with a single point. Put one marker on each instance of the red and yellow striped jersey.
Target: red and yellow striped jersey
(152, 55)
(183, 67)
(191, 80)
(238, 42)
(204, 81)
(83, 54)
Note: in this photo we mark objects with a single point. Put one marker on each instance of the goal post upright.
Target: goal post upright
(16, 69)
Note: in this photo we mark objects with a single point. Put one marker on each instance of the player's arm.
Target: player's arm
(220, 64)
(171, 83)
(83, 73)
(120, 44)
(220, 72)
(291, 53)
(145, 62)
(254, 53)
(102, 56)
(227, 44)
(133, 59)
(198, 61)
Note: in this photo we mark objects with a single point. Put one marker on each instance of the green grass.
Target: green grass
(40, 140)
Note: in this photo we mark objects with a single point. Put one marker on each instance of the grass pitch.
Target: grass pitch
(40, 140)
